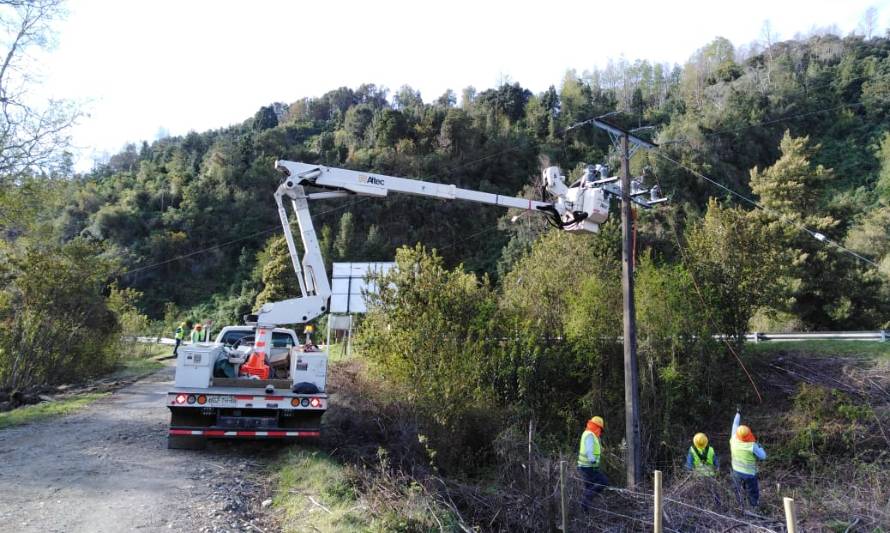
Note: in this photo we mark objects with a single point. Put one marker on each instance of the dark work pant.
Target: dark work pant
(749, 484)
(594, 483)
(176, 347)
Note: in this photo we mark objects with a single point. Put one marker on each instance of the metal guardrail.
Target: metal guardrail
(880, 336)
(153, 340)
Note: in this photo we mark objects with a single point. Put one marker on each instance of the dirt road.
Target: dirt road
(107, 469)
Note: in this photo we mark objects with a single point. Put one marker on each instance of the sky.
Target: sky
(137, 68)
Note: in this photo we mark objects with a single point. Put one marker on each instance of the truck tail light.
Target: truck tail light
(304, 402)
(315, 402)
(180, 399)
(295, 402)
(202, 399)
(191, 399)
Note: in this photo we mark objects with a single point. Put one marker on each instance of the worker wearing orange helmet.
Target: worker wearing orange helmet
(701, 458)
(197, 333)
(590, 452)
(745, 454)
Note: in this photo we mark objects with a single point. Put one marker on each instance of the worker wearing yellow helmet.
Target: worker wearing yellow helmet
(701, 458)
(178, 336)
(590, 452)
(745, 453)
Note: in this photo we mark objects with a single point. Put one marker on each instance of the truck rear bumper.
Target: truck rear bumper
(219, 433)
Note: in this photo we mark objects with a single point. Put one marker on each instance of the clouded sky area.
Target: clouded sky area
(183, 65)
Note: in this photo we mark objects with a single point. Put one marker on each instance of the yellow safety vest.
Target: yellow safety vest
(180, 333)
(196, 335)
(583, 461)
(743, 459)
(705, 468)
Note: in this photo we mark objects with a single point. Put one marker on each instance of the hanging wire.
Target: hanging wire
(701, 297)
(815, 234)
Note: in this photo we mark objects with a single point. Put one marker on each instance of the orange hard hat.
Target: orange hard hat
(198, 326)
(744, 434)
(598, 420)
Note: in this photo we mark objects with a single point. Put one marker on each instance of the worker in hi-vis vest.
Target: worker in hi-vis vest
(701, 458)
(745, 454)
(178, 337)
(197, 333)
(590, 452)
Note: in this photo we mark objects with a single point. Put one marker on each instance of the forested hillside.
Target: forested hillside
(776, 161)
(188, 216)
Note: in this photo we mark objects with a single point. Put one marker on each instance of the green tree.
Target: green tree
(56, 325)
(345, 234)
(278, 277)
(739, 266)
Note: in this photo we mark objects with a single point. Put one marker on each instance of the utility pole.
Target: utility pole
(631, 370)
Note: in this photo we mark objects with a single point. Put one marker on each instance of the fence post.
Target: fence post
(531, 458)
(562, 495)
(790, 515)
(656, 520)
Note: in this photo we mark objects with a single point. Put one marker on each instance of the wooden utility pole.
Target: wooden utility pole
(631, 372)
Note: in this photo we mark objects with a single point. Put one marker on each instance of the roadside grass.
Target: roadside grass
(134, 367)
(313, 492)
(823, 348)
(148, 351)
(42, 411)
(129, 368)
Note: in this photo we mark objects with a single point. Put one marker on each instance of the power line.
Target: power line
(815, 234)
(228, 243)
(783, 119)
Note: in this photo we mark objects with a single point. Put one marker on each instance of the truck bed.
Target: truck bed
(279, 384)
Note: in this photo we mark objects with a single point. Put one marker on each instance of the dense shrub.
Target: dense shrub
(56, 321)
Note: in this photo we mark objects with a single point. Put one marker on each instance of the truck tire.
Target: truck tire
(178, 442)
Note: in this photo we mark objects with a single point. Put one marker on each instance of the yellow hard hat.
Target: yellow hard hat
(700, 440)
(598, 420)
(743, 432)
(183, 325)
(309, 328)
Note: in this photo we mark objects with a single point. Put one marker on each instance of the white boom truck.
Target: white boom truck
(265, 388)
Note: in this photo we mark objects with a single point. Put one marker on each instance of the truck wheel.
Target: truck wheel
(185, 443)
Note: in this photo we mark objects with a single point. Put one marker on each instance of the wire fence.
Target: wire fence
(716, 506)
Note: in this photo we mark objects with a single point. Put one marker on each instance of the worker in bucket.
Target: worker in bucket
(197, 333)
(701, 458)
(178, 336)
(745, 454)
(590, 452)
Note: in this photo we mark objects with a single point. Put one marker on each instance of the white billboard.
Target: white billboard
(349, 285)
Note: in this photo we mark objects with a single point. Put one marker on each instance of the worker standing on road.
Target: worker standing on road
(701, 458)
(178, 337)
(589, 453)
(197, 333)
(745, 453)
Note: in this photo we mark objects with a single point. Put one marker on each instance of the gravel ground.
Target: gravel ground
(107, 469)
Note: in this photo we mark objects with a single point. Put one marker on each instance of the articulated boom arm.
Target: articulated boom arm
(577, 208)
(580, 207)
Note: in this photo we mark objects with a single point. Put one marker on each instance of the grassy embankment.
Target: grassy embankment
(827, 348)
(138, 365)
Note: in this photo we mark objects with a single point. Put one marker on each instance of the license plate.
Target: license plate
(221, 400)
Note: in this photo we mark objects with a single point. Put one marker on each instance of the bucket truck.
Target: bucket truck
(268, 384)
